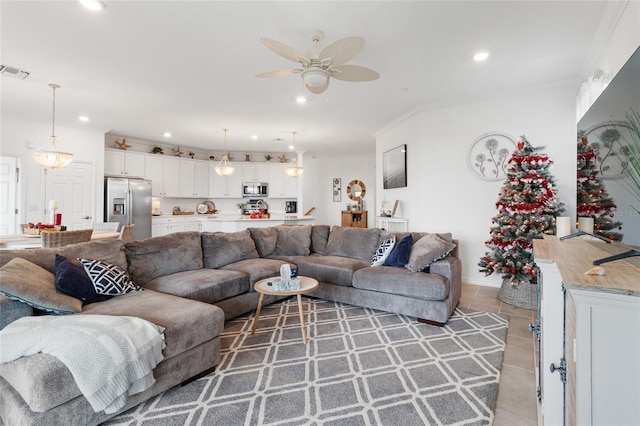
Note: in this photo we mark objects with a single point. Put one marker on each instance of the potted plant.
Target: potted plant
(268, 157)
(157, 150)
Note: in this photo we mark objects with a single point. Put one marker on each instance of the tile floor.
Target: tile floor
(517, 403)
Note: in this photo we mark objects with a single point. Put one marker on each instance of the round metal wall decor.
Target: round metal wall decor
(489, 154)
(610, 140)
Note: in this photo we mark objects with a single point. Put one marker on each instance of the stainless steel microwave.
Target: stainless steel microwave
(255, 189)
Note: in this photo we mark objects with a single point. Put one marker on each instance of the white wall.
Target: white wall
(319, 171)
(443, 195)
(85, 145)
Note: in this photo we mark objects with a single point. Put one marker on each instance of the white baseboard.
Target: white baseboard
(489, 281)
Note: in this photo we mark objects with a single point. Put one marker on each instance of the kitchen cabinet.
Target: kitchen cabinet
(255, 172)
(193, 223)
(164, 173)
(225, 186)
(167, 225)
(281, 185)
(589, 333)
(354, 218)
(194, 178)
(123, 163)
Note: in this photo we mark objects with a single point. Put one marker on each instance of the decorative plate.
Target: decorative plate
(489, 155)
(202, 208)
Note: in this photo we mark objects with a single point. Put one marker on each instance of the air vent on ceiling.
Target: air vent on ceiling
(10, 71)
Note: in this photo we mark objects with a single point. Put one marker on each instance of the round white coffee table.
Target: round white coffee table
(306, 284)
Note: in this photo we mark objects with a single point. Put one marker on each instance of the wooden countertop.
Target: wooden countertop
(575, 256)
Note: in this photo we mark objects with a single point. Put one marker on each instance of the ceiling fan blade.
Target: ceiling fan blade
(318, 90)
(283, 50)
(343, 50)
(353, 73)
(278, 73)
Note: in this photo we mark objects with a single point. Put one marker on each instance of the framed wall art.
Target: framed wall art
(337, 187)
(489, 155)
(394, 167)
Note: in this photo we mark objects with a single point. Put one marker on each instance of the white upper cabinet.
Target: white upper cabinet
(255, 172)
(164, 173)
(194, 178)
(225, 187)
(123, 163)
(281, 185)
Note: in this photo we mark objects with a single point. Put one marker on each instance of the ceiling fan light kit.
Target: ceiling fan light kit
(52, 158)
(319, 66)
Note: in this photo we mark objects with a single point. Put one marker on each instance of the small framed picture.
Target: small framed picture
(337, 188)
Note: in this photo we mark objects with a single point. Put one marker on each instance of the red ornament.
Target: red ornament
(520, 145)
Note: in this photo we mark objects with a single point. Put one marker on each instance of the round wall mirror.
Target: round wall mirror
(356, 190)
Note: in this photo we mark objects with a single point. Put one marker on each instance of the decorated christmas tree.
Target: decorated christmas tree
(593, 198)
(527, 209)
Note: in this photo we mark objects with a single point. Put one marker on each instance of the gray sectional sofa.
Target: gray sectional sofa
(194, 281)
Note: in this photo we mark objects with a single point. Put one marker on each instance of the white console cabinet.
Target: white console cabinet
(589, 332)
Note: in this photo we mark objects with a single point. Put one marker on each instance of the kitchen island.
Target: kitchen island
(234, 223)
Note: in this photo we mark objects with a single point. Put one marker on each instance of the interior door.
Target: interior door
(74, 189)
(8, 204)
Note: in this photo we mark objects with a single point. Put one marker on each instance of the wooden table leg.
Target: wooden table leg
(255, 319)
(304, 330)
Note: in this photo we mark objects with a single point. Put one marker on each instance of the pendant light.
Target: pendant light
(224, 167)
(52, 158)
(293, 170)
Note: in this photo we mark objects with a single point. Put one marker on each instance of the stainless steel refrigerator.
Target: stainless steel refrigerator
(128, 201)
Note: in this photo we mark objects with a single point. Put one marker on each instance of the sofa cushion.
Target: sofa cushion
(222, 249)
(29, 283)
(357, 243)
(205, 285)
(293, 240)
(72, 280)
(331, 269)
(111, 251)
(319, 238)
(427, 250)
(399, 256)
(256, 269)
(265, 239)
(388, 279)
(383, 251)
(166, 255)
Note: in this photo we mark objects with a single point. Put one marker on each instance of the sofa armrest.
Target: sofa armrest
(451, 268)
(11, 310)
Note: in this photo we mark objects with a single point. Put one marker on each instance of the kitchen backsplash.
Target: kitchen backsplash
(225, 206)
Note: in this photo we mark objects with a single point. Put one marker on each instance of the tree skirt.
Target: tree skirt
(523, 295)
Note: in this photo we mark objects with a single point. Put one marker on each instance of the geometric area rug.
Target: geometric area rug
(360, 367)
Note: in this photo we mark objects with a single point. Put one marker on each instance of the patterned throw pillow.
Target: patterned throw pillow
(383, 251)
(72, 280)
(108, 279)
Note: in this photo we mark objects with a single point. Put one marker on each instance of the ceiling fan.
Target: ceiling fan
(319, 66)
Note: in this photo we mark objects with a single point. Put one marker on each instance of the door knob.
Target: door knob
(562, 369)
(87, 217)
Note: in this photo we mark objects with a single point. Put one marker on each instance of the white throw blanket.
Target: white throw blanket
(110, 357)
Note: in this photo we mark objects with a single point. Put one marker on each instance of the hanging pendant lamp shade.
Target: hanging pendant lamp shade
(224, 167)
(293, 170)
(51, 157)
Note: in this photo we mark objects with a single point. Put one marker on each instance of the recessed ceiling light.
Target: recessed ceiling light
(254, 137)
(291, 147)
(93, 4)
(301, 99)
(481, 56)
(83, 118)
(167, 134)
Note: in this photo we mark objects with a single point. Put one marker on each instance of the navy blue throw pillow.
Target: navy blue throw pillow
(400, 254)
(72, 280)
